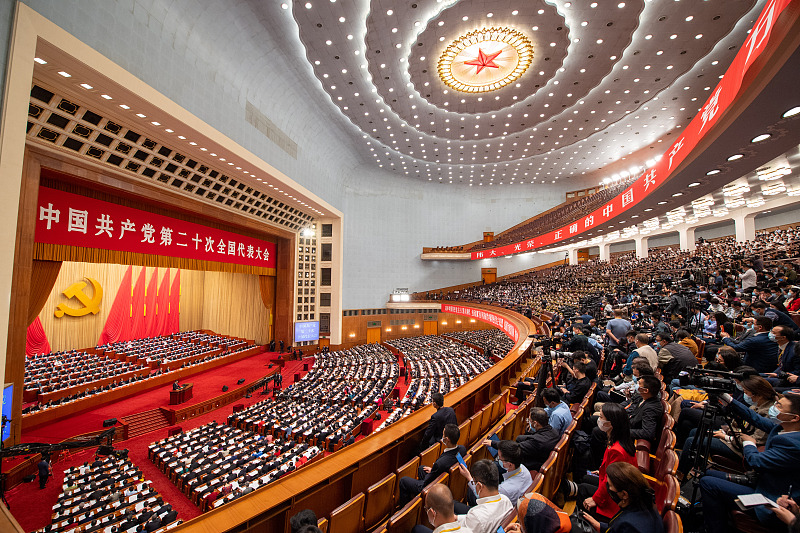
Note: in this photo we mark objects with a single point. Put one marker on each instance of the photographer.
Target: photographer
(677, 303)
(577, 388)
(777, 466)
(760, 351)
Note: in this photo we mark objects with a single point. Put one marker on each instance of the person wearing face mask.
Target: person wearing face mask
(643, 349)
(748, 278)
(492, 507)
(777, 466)
(592, 493)
(410, 487)
(760, 351)
(631, 492)
(786, 375)
(779, 318)
(760, 397)
(535, 446)
(537, 514)
(557, 409)
(792, 301)
(516, 479)
(439, 511)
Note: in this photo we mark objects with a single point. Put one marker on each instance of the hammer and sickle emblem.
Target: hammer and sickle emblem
(90, 305)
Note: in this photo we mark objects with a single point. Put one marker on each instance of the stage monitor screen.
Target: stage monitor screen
(8, 398)
(306, 331)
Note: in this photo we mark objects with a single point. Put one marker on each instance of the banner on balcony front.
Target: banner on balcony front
(720, 99)
(73, 220)
(498, 321)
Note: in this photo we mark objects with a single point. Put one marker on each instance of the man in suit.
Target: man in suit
(439, 419)
(760, 351)
(410, 487)
(536, 445)
(786, 375)
(45, 471)
(777, 465)
(646, 413)
(673, 358)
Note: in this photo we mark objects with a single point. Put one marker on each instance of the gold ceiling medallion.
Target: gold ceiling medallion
(485, 60)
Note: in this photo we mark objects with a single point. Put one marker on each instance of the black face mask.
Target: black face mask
(615, 497)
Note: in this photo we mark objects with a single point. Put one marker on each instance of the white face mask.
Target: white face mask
(603, 424)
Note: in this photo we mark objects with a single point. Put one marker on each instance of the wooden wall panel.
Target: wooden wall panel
(232, 305)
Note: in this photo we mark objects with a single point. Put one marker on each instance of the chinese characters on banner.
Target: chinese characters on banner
(721, 98)
(74, 220)
(498, 321)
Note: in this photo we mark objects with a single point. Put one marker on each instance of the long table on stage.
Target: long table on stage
(183, 394)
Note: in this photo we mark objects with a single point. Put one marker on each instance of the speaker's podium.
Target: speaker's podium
(182, 394)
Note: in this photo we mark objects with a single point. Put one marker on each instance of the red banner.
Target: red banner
(720, 100)
(74, 220)
(498, 321)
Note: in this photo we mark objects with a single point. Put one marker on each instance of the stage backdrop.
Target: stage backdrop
(224, 302)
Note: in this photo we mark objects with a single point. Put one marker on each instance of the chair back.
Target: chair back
(348, 517)
(406, 518)
(429, 455)
(379, 502)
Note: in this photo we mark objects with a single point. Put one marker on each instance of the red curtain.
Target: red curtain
(138, 330)
(36, 339)
(174, 324)
(119, 314)
(162, 306)
(150, 299)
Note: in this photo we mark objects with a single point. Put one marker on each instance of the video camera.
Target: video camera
(714, 382)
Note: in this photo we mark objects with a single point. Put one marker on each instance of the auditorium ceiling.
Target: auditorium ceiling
(510, 92)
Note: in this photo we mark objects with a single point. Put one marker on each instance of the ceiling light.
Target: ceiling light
(106, 97)
(141, 115)
(284, 6)
(755, 201)
(123, 106)
(154, 123)
(712, 172)
(732, 203)
(86, 86)
(65, 74)
(771, 189)
(694, 184)
(759, 138)
(734, 157)
(792, 112)
(308, 5)
(40, 60)
(773, 173)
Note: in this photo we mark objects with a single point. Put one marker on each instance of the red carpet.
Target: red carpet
(207, 385)
(32, 507)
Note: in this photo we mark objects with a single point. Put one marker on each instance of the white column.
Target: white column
(686, 237)
(573, 256)
(605, 251)
(745, 227)
(641, 246)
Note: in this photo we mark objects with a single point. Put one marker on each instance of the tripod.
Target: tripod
(701, 453)
(545, 371)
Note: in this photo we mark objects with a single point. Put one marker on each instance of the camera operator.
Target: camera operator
(777, 466)
(785, 376)
(582, 377)
(760, 351)
(659, 326)
(677, 303)
(580, 341)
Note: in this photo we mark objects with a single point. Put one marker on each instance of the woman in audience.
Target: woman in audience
(592, 492)
(727, 360)
(637, 511)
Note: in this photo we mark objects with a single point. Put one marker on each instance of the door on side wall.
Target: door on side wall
(431, 327)
(373, 335)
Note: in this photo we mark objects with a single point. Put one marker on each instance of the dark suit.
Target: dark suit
(634, 521)
(577, 390)
(536, 447)
(410, 487)
(759, 352)
(646, 419)
(439, 419)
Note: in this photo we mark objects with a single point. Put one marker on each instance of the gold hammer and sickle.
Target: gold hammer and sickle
(90, 305)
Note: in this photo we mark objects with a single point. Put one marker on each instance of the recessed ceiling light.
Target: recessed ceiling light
(123, 106)
(678, 194)
(759, 138)
(661, 203)
(106, 97)
(40, 60)
(86, 86)
(65, 74)
(141, 115)
(169, 130)
(712, 172)
(154, 123)
(694, 184)
(792, 112)
(734, 157)
(308, 5)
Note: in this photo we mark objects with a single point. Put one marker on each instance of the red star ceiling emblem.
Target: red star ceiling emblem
(484, 61)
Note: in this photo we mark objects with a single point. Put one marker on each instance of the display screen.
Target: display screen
(306, 331)
(8, 398)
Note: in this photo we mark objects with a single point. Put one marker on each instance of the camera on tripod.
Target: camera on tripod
(714, 382)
